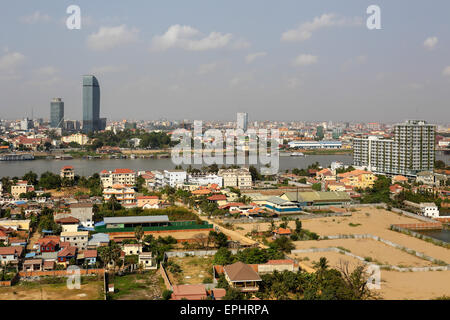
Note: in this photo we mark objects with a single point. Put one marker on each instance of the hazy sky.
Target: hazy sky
(203, 59)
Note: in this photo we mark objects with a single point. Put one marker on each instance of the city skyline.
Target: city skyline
(158, 63)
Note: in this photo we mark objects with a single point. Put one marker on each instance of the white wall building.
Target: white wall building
(429, 209)
(205, 179)
(126, 177)
(236, 178)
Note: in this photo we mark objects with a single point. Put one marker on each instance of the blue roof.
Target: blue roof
(98, 224)
(21, 202)
(30, 255)
(81, 228)
(47, 231)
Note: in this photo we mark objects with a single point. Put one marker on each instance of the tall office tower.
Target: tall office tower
(91, 105)
(410, 151)
(26, 124)
(242, 120)
(56, 113)
(319, 132)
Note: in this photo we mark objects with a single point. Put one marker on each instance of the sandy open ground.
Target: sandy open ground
(393, 284)
(379, 252)
(88, 291)
(372, 221)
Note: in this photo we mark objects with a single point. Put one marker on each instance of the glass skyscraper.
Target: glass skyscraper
(91, 104)
(56, 113)
(242, 121)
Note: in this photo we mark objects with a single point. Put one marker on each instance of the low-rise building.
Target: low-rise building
(148, 202)
(429, 209)
(21, 187)
(236, 178)
(132, 249)
(124, 195)
(147, 260)
(67, 172)
(358, 178)
(76, 239)
(242, 277)
(125, 177)
(79, 138)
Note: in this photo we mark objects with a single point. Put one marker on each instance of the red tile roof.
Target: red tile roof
(120, 171)
(68, 252)
(282, 231)
(217, 197)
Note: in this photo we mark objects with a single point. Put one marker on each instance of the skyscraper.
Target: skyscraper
(91, 105)
(56, 113)
(412, 150)
(242, 120)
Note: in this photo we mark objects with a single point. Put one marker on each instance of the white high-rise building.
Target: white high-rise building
(410, 151)
(242, 120)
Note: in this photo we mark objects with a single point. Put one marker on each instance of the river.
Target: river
(84, 167)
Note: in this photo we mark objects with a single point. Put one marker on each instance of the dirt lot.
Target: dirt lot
(35, 291)
(365, 221)
(394, 285)
(379, 252)
(193, 270)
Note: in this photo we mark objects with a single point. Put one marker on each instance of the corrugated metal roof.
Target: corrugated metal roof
(136, 219)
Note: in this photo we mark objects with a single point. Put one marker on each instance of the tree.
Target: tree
(283, 244)
(356, 281)
(255, 173)
(139, 233)
(317, 186)
(439, 164)
(31, 178)
(167, 294)
(223, 257)
(298, 226)
(233, 294)
(219, 238)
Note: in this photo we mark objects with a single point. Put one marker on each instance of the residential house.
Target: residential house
(76, 239)
(68, 224)
(325, 175)
(21, 187)
(147, 260)
(358, 178)
(148, 202)
(10, 254)
(32, 265)
(132, 249)
(83, 212)
(220, 199)
(66, 254)
(87, 256)
(429, 209)
(67, 172)
(281, 232)
(242, 277)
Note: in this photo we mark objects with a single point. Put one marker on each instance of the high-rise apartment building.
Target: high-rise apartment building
(56, 113)
(410, 151)
(91, 105)
(242, 121)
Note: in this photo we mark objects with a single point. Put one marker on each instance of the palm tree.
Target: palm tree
(139, 233)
